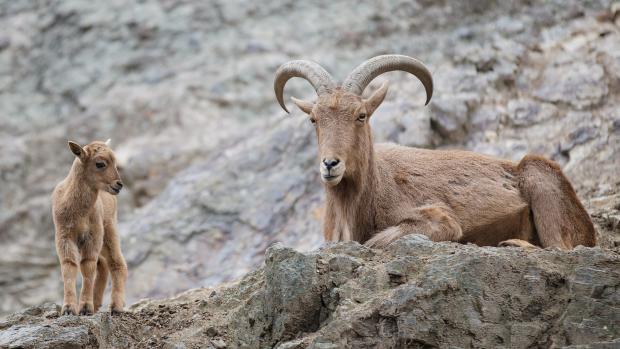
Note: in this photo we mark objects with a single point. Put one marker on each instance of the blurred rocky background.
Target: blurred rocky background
(216, 172)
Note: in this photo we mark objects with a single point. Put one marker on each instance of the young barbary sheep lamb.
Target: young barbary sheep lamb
(378, 193)
(84, 211)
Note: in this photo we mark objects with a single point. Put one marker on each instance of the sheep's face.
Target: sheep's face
(99, 165)
(344, 137)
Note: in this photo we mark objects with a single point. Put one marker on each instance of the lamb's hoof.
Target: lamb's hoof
(68, 309)
(116, 312)
(86, 309)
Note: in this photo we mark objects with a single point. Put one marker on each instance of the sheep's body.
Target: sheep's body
(456, 196)
(85, 218)
(376, 194)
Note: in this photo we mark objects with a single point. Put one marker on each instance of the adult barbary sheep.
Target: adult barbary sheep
(84, 211)
(378, 193)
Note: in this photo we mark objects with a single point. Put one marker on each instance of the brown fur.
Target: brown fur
(84, 212)
(378, 193)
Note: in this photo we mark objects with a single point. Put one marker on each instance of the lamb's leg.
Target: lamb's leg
(68, 256)
(101, 282)
(117, 266)
(88, 267)
(560, 218)
(434, 221)
(90, 248)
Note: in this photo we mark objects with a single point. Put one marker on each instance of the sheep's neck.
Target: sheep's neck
(352, 201)
(80, 195)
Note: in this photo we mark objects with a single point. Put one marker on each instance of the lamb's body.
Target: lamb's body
(453, 195)
(378, 193)
(85, 218)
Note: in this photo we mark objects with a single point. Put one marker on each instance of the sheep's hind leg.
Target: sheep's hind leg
(434, 221)
(561, 220)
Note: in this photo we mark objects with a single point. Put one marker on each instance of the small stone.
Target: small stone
(218, 343)
(211, 332)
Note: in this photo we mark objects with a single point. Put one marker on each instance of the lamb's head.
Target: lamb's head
(98, 165)
(340, 115)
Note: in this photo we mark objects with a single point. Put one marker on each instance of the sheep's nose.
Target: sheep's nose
(330, 163)
(119, 184)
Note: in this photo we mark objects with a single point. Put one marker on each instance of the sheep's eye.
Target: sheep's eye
(362, 117)
(313, 121)
(100, 164)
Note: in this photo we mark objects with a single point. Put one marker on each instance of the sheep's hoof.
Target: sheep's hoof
(116, 311)
(516, 243)
(86, 309)
(68, 309)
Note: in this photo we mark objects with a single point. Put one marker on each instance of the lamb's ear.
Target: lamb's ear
(77, 150)
(373, 102)
(306, 107)
(108, 142)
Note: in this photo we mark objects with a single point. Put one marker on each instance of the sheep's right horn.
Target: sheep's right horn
(314, 73)
(361, 76)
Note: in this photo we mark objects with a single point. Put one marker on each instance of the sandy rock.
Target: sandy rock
(415, 293)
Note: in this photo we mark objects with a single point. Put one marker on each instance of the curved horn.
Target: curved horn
(359, 78)
(314, 73)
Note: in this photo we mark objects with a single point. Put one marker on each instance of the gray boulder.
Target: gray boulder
(416, 293)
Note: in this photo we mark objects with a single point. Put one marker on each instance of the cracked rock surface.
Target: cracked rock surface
(414, 294)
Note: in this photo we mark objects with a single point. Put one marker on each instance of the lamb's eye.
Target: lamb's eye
(362, 117)
(313, 121)
(100, 164)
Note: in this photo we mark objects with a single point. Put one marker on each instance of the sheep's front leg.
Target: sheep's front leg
(68, 256)
(434, 221)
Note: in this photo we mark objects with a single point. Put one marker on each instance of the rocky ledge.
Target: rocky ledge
(414, 294)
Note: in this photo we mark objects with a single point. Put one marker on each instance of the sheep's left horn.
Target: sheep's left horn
(314, 73)
(359, 78)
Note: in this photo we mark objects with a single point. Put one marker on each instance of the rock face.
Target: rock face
(216, 173)
(414, 294)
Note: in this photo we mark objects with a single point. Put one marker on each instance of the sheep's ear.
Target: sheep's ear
(373, 102)
(306, 107)
(77, 150)
(108, 142)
